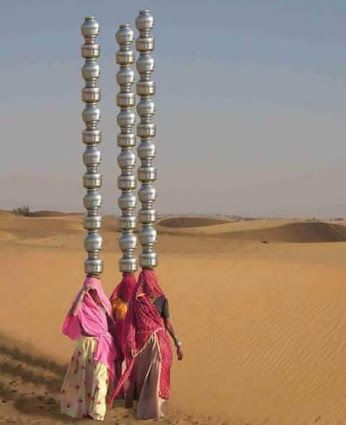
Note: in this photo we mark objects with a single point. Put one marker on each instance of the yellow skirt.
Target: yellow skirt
(85, 386)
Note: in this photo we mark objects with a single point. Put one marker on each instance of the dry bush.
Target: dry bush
(24, 210)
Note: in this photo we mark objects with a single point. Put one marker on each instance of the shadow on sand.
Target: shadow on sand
(31, 383)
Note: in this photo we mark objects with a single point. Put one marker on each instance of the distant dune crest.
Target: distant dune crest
(304, 232)
(187, 221)
(45, 224)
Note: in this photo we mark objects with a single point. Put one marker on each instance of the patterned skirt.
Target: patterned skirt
(84, 389)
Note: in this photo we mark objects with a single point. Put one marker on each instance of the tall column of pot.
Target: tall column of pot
(146, 131)
(127, 181)
(92, 179)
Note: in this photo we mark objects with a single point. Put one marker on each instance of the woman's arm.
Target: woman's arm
(78, 302)
(170, 329)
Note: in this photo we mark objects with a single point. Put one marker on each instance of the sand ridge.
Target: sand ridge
(190, 221)
(266, 230)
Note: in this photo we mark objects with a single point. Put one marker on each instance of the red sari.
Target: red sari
(119, 300)
(142, 324)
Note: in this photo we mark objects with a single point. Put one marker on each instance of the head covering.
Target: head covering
(119, 300)
(141, 322)
(126, 288)
(87, 316)
(149, 285)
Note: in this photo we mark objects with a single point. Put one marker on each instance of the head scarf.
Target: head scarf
(149, 285)
(126, 288)
(85, 314)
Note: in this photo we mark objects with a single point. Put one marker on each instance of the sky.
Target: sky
(251, 99)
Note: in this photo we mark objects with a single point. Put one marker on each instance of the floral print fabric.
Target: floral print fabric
(84, 389)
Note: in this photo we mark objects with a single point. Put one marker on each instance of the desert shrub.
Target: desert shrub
(23, 210)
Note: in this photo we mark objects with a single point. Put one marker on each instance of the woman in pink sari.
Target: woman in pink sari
(146, 347)
(89, 321)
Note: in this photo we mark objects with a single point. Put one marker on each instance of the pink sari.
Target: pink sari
(86, 317)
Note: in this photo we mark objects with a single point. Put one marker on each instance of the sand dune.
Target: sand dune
(38, 226)
(267, 230)
(6, 236)
(6, 214)
(225, 227)
(187, 221)
(24, 227)
(295, 232)
(51, 213)
(262, 324)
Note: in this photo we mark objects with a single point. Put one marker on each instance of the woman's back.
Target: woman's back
(161, 304)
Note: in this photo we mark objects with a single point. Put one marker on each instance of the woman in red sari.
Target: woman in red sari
(119, 299)
(146, 348)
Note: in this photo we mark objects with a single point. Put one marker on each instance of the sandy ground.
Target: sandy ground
(259, 305)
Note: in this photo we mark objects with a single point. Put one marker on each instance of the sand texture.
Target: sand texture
(259, 306)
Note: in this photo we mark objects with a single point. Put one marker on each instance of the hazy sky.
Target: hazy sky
(251, 103)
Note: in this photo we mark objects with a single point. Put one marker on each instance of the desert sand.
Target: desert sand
(259, 306)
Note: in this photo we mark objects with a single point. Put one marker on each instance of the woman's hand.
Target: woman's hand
(170, 329)
(180, 354)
